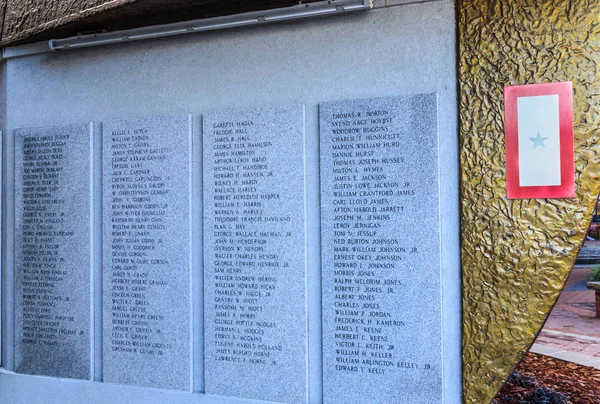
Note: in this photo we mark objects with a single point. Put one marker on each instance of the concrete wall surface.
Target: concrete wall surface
(388, 51)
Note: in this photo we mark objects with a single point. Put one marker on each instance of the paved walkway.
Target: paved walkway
(572, 332)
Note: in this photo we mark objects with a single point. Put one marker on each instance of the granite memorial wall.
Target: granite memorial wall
(255, 254)
(53, 175)
(294, 239)
(146, 230)
(381, 277)
(379, 177)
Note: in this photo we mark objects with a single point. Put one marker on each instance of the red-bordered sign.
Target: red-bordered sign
(539, 141)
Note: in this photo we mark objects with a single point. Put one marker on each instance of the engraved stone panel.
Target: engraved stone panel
(52, 251)
(146, 252)
(2, 317)
(254, 254)
(381, 251)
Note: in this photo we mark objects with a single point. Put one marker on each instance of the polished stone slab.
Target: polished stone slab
(147, 251)
(380, 240)
(255, 254)
(52, 251)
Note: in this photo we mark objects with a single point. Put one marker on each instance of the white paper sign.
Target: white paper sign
(539, 141)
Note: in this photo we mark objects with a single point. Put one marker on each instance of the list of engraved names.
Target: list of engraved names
(139, 207)
(244, 241)
(53, 248)
(379, 182)
(146, 238)
(46, 234)
(254, 215)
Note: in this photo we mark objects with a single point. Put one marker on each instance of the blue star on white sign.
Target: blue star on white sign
(539, 163)
(538, 140)
(540, 152)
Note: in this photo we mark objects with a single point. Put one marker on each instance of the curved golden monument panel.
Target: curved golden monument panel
(517, 254)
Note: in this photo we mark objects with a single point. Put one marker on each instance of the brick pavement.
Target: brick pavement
(572, 331)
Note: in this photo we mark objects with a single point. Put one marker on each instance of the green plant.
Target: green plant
(595, 274)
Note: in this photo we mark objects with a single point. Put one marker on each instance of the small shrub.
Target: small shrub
(595, 274)
(522, 381)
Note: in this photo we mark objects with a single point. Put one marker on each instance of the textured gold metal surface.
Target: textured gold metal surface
(517, 254)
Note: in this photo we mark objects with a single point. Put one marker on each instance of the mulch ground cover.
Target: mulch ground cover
(543, 380)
